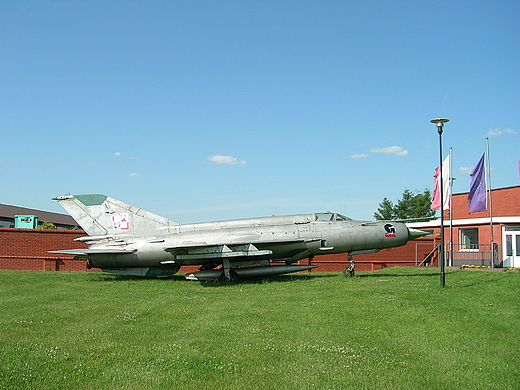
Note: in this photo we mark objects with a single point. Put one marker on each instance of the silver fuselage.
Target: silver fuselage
(288, 238)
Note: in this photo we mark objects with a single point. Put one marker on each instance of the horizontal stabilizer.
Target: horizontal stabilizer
(86, 252)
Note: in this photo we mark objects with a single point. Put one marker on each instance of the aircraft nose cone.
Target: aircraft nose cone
(414, 233)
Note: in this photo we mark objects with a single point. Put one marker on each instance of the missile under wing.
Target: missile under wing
(127, 240)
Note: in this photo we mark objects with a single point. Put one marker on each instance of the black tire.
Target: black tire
(348, 272)
(234, 278)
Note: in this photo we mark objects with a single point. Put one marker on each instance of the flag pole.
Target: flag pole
(488, 178)
(450, 194)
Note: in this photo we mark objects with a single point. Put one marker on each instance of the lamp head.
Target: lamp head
(440, 123)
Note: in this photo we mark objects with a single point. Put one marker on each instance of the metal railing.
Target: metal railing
(456, 255)
(485, 255)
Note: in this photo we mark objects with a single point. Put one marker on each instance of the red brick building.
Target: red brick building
(488, 238)
(27, 249)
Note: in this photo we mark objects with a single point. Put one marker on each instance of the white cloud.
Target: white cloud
(117, 154)
(397, 150)
(497, 132)
(228, 160)
(134, 174)
(361, 155)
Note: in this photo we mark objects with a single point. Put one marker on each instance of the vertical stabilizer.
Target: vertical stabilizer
(100, 215)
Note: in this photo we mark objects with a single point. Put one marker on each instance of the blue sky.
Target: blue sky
(208, 110)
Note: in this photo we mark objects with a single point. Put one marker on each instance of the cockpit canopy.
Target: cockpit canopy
(328, 216)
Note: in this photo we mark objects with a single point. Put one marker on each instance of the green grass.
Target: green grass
(391, 329)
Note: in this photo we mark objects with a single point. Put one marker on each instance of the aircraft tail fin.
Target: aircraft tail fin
(100, 215)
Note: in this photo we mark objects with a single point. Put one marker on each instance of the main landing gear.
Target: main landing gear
(233, 278)
(349, 271)
(228, 275)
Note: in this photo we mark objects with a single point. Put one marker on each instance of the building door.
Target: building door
(511, 245)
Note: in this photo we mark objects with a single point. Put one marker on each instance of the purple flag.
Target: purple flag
(477, 198)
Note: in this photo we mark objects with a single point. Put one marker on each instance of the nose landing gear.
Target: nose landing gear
(349, 271)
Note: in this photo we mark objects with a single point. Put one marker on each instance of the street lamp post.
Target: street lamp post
(439, 122)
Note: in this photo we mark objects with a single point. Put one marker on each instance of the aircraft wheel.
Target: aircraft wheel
(234, 278)
(348, 272)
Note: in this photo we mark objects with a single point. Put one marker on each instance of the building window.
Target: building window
(6, 224)
(509, 245)
(469, 239)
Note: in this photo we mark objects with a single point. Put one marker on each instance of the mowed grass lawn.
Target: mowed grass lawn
(391, 329)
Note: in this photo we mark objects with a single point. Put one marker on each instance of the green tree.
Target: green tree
(412, 205)
(47, 225)
(386, 210)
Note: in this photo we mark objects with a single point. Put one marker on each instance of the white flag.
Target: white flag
(446, 186)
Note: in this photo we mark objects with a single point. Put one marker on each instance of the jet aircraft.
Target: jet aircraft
(127, 240)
